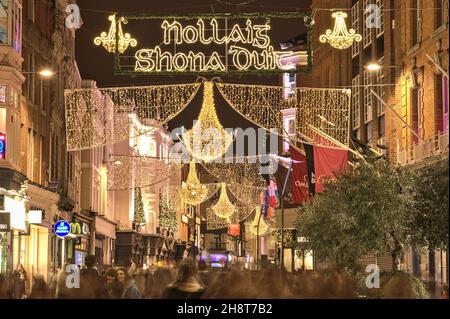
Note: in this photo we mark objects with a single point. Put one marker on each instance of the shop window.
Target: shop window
(369, 135)
(355, 26)
(441, 103)
(439, 13)
(289, 84)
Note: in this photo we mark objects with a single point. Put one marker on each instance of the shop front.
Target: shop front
(129, 244)
(62, 249)
(80, 229)
(105, 238)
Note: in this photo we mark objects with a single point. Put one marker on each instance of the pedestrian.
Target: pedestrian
(112, 286)
(187, 285)
(149, 282)
(91, 284)
(62, 291)
(19, 282)
(5, 287)
(40, 289)
(127, 286)
(132, 270)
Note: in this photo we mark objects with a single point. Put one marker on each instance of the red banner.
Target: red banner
(234, 230)
(299, 178)
(328, 163)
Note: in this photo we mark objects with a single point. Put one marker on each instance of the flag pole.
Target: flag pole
(282, 218)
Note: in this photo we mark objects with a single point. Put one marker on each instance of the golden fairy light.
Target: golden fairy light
(262, 105)
(108, 40)
(340, 37)
(192, 191)
(224, 208)
(207, 140)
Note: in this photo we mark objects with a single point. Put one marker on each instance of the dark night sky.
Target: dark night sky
(97, 64)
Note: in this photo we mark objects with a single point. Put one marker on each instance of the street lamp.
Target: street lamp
(46, 73)
(375, 66)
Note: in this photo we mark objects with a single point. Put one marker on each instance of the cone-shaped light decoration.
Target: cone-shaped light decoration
(192, 191)
(207, 140)
(263, 227)
(224, 208)
(109, 40)
(340, 38)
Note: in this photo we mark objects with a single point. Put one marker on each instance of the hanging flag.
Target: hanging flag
(299, 181)
(323, 165)
(273, 194)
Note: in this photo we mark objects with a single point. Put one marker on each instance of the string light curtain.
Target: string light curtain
(325, 109)
(243, 179)
(128, 172)
(207, 140)
(96, 117)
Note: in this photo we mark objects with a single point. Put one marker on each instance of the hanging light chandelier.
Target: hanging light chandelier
(224, 208)
(108, 40)
(207, 140)
(340, 38)
(263, 226)
(192, 192)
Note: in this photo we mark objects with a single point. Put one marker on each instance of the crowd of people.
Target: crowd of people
(187, 282)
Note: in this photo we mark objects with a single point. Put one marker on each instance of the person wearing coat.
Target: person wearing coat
(187, 285)
(20, 278)
(129, 290)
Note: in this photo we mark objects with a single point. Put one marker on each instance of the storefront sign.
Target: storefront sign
(35, 216)
(62, 228)
(75, 228)
(5, 222)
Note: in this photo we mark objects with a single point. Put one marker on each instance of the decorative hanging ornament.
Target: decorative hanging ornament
(263, 226)
(192, 191)
(207, 140)
(224, 208)
(340, 38)
(109, 40)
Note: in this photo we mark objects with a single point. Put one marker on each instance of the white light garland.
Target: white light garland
(340, 38)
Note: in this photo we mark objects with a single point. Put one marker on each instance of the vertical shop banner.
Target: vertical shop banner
(324, 165)
(299, 181)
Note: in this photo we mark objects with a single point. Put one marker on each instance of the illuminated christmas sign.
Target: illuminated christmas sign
(207, 44)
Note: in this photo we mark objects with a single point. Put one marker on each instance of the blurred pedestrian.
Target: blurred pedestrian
(127, 286)
(112, 286)
(20, 278)
(133, 268)
(5, 287)
(187, 285)
(91, 284)
(40, 289)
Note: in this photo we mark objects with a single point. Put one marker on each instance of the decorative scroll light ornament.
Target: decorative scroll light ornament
(192, 191)
(207, 140)
(224, 208)
(340, 38)
(109, 40)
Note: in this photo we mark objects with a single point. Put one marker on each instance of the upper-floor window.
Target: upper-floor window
(367, 97)
(11, 24)
(289, 84)
(356, 104)
(380, 88)
(380, 18)
(289, 127)
(441, 103)
(355, 26)
(367, 32)
(417, 106)
(415, 24)
(439, 13)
